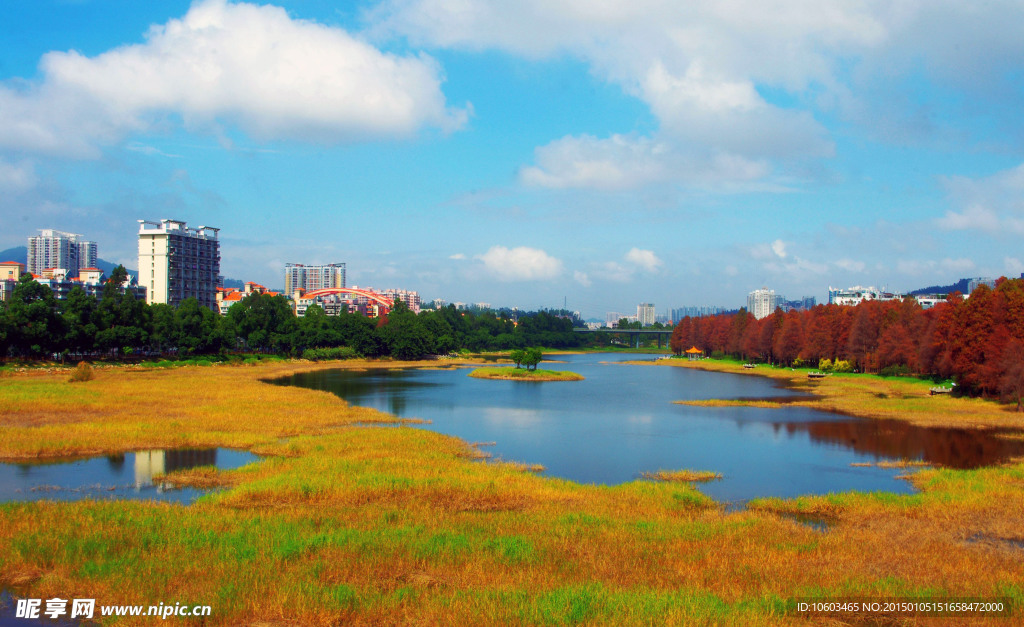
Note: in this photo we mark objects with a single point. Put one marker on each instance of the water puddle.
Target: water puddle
(121, 476)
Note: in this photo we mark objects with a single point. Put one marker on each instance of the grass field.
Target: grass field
(347, 522)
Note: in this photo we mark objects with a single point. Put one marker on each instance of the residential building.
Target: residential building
(696, 312)
(89, 279)
(645, 314)
(178, 262)
(299, 276)
(227, 296)
(855, 295)
(57, 249)
(762, 302)
(10, 274)
(974, 283)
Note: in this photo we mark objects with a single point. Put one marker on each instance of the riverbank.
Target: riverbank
(522, 374)
(343, 522)
(863, 395)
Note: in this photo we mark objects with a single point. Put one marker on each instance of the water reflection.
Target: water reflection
(128, 475)
(955, 448)
(621, 421)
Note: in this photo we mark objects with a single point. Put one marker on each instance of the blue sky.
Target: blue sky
(532, 153)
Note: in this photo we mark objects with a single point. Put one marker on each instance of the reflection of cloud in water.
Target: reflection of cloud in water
(641, 419)
(521, 418)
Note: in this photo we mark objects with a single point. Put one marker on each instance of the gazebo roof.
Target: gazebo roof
(694, 350)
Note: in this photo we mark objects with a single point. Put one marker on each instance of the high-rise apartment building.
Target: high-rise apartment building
(762, 302)
(645, 314)
(177, 262)
(57, 249)
(299, 276)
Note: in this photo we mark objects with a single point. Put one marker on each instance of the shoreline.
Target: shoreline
(342, 523)
(863, 396)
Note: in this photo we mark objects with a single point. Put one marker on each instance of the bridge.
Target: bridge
(662, 334)
(383, 301)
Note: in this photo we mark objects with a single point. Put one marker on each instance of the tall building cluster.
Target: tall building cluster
(53, 249)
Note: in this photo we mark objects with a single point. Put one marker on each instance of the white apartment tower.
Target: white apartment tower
(177, 262)
(645, 314)
(57, 249)
(761, 302)
(309, 278)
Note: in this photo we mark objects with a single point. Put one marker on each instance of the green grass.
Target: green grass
(522, 374)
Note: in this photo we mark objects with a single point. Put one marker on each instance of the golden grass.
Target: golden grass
(898, 463)
(348, 524)
(521, 374)
(683, 475)
(865, 396)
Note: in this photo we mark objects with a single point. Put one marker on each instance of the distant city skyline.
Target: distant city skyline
(529, 154)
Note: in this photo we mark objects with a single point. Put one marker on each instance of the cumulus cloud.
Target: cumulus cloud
(226, 63)
(744, 81)
(581, 278)
(644, 259)
(520, 264)
(779, 248)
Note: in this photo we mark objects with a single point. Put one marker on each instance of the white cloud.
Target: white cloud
(779, 248)
(742, 80)
(224, 63)
(850, 265)
(1014, 267)
(581, 278)
(957, 265)
(644, 259)
(17, 177)
(520, 264)
(457, 256)
(994, 204)
(973, 217)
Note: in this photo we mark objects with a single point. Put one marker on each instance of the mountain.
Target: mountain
(959, 286)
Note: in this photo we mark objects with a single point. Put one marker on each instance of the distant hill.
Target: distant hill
(959, 286)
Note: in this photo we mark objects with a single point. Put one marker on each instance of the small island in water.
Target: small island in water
(522, 374)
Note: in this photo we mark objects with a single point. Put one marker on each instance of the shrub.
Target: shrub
(337, 352)
(842, 365)
(898, 370)
(82, 372)
(203, 362)
(825, 365)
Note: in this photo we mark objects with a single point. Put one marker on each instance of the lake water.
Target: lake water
(621, 421)
(124, 476)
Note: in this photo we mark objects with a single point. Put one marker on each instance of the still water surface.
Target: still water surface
(125, 476)
(621, 421)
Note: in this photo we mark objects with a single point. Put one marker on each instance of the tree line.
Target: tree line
(978, 341)
(34, 324)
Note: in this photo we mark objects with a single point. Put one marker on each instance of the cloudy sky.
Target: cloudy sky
(530, 153)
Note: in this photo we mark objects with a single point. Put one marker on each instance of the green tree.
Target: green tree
(264, 322)
(80, 312)
(532, 357)
(34, 324)
(517, 356)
